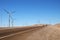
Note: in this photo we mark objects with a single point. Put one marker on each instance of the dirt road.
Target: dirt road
(46, 33)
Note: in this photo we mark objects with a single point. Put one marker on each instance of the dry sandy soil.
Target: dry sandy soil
(46, 33)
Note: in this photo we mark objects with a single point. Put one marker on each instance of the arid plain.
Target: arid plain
(34, 32)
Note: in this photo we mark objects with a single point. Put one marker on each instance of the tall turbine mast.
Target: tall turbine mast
(12, 21)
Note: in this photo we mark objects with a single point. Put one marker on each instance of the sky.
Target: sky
(28, 12)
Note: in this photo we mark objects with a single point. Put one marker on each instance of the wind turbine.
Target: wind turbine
(10, 16)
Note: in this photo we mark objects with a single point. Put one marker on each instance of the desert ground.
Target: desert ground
(50, 32)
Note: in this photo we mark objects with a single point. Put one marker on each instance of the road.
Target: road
(44, 33)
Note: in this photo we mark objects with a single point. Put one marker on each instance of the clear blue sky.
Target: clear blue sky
(29, 12)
